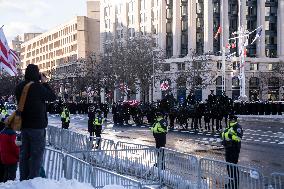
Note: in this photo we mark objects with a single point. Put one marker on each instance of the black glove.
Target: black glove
(230, 136)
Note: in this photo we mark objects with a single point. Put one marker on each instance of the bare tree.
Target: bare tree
(133, 62)
(200, 72)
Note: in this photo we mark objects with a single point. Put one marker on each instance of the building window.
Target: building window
(181, 66)
(219, 65)
(236, 65)
(254, 66)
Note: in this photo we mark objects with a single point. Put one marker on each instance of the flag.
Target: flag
(257, 36)
(228, 46)
(165, 85)
(245, 52)
(218, 32)
(8, 58)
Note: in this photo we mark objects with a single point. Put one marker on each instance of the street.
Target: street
(262, 144)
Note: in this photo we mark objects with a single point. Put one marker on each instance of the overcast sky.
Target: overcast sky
(22, 16)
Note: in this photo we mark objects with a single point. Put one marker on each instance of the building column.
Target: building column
(225, 29)
(162, 24)
(280, 31)
(191, 26)
(176, 28)
(260, 44)
(148, 16)
(208, 26)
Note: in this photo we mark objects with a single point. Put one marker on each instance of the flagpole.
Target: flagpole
(223, 50)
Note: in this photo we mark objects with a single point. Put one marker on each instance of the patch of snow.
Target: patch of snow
(41, 183)
(113, 187)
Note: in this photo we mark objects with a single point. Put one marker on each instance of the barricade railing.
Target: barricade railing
(219, 174)
(140, 163)
(70, 141)
(277, 181)
(53, 162)
(163, 166)
(58, 165)
(127, 145)
(178, 170)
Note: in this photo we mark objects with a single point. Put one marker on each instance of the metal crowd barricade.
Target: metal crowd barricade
(277, 180)
(53, 163)
(219, 174)
(54, 136)
(70, 141)
(58, 165)
(98, 177)
(140, 163)
(104, 144)
(178, 170)
(126, 145)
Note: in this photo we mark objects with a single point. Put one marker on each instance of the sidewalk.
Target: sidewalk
(266, 118)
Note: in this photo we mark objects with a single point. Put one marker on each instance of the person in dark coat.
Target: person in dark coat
(91, 115)
(34, 122)
(9, 153)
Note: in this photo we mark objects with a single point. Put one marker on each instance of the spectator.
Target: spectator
(2, 168)
(34, 122)
(9, 154)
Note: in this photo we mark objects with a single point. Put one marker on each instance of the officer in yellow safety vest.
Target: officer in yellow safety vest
(65, 118)
(160, 130)
(98, 124)
(3, 113)
(231, 140)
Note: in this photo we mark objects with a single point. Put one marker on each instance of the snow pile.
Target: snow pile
(40, 183)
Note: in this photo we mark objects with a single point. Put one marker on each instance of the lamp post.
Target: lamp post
(153, 79)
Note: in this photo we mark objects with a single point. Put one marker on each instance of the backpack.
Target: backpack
(14, 121)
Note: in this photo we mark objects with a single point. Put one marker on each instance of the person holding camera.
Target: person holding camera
(34, 121)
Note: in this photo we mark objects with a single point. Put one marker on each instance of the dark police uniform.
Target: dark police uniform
(160, 129)
(231, 137)
(65, 118)
(98, 124)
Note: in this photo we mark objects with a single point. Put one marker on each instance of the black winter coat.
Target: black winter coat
(34, 115)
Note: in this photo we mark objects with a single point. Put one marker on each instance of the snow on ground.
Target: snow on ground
(41, 183)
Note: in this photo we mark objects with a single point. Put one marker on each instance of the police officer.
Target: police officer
(98, 124)
(231, 137)
(91, 116)
(65, 118)
(160, 129)
(3, 112)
